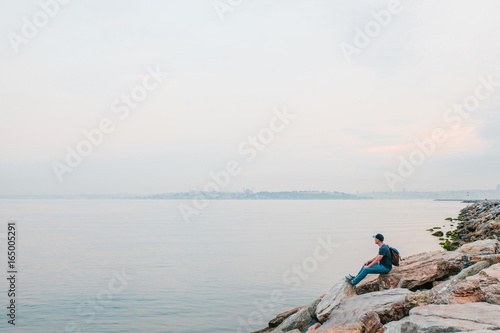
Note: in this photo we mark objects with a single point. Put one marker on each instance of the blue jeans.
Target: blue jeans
(375, 269)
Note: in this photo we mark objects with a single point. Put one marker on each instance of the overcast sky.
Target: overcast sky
(354, 120)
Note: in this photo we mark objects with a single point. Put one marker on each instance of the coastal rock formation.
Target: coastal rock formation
(448, 318)
(439, 291)
(342, 310)
(477, 222)
(332, 299)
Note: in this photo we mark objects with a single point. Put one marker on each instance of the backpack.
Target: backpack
(394, 256)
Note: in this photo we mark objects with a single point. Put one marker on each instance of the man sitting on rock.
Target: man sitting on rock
(379, 265)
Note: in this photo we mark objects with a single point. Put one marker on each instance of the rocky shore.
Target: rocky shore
(475, 222)
(457, 290)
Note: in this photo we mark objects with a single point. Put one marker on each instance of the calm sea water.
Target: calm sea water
(136, 266)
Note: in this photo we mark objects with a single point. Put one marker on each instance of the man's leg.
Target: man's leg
(360, 276)
(360, 270)
(377, 269)
(350, 277)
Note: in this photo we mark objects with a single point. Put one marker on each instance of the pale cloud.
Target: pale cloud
(458, 141)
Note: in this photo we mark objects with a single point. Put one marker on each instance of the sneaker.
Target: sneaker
(349, 281)
(350, 277)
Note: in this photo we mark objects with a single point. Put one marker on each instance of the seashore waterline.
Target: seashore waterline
(236, 266)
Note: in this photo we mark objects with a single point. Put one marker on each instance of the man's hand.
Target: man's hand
(367, 263)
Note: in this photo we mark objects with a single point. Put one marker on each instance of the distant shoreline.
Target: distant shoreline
(470, 196)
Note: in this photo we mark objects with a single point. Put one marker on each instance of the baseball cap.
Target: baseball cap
(380, 237)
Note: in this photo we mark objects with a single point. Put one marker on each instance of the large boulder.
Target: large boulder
(332, 299)
(456, 291)
(389, 305)
(488, 281)
(486, 246)
(416, 271)
(480, 221)
(457, 278)
(448, 318)
(301, 320)
(473, 270)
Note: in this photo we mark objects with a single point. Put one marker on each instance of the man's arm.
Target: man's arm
(369, 261)
(375, 260)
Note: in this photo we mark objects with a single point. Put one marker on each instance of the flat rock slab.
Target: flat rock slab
(389, 305)
(449, 318)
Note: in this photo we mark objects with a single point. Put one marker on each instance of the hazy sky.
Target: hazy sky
(354, 121)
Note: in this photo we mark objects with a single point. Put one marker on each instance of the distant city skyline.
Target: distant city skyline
(128, 97)
(249, 194)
